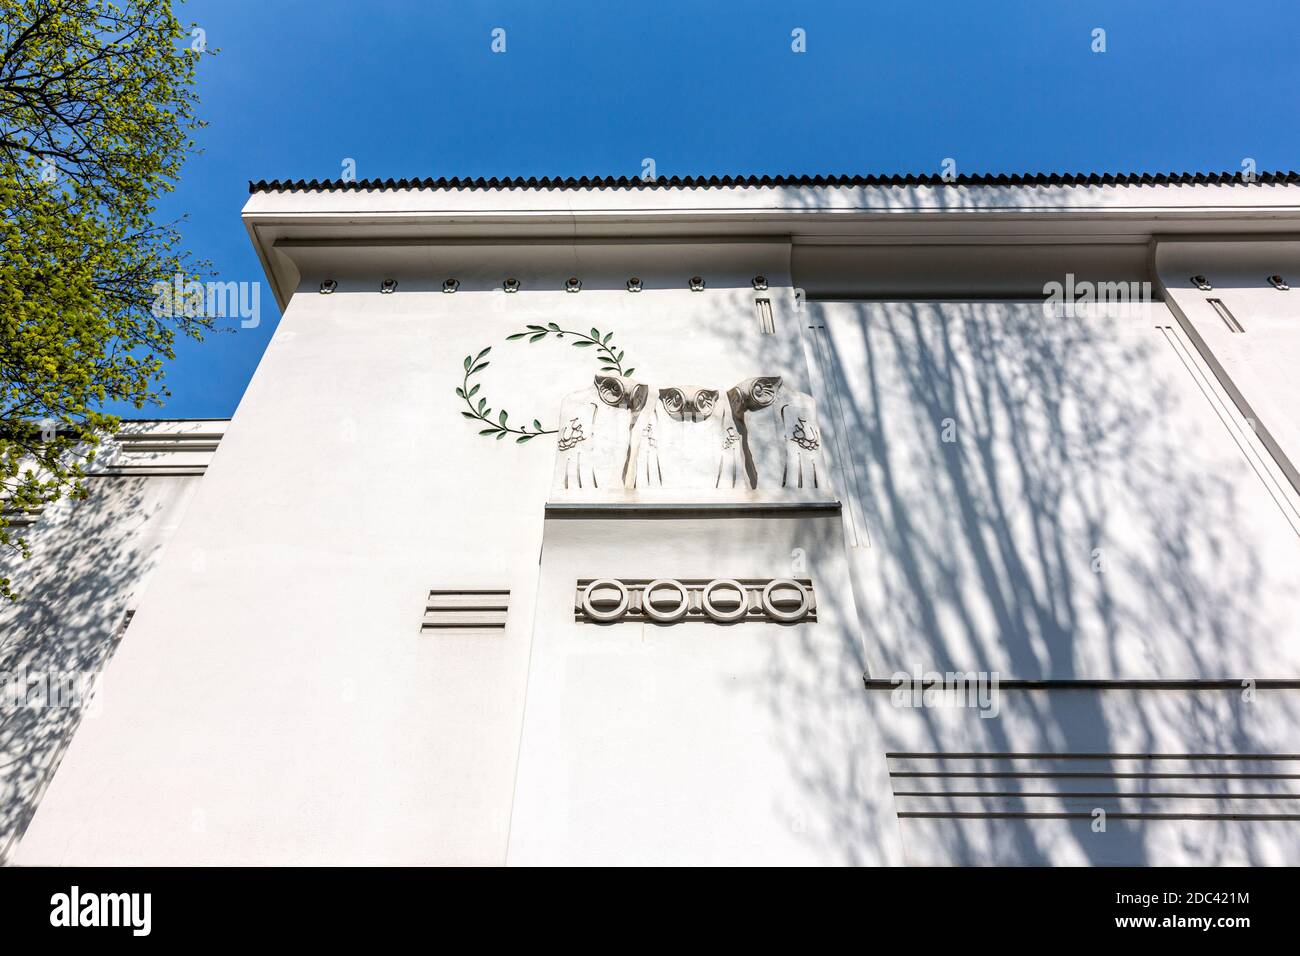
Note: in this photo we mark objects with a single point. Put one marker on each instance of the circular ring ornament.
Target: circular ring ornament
(780, 614)
(612, 614)
(717, 613)
(673, 614)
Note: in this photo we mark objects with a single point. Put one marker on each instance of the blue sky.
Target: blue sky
(414, 89)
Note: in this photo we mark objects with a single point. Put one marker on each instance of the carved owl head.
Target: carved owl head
(619, 392)
(688, 404)
(755, 393)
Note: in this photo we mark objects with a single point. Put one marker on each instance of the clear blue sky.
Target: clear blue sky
(590, 88)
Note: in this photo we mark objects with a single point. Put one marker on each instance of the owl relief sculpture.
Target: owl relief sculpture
(594, 447)
(687, 441)
(781, 441)
(619, 434)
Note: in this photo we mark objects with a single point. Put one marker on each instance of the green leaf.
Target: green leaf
(104, 94)
(475, 364)
(627, 372)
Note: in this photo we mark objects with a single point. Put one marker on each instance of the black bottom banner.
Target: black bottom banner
(334, 905)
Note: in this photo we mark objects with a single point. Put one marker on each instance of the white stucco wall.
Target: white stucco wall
(348, 486)
(1104, 513)
(1060, 500)
(695, 743)
(92, 562)
(1257, 364)
(1221, 791)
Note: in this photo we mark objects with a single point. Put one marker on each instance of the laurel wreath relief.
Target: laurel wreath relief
(608, 354)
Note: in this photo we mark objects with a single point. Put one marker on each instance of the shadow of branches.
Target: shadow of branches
(88, 558)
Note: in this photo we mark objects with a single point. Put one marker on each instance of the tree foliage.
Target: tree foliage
(97, 110)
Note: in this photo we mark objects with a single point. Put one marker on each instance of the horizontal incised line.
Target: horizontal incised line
(967, 755)
(1215, 683)
(170, 448)
(149, 471)
(1084, 815)
(1068, 774)
(465, 611)
(1097, 794)
(467, 625)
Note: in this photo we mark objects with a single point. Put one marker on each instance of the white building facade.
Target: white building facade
(761, 521)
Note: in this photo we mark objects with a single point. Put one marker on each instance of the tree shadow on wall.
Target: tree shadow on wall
(983, 555)
(60, 633)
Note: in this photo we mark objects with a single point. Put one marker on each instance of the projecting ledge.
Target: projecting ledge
(615, 504)
(1205, 683)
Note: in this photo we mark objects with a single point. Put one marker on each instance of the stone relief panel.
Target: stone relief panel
(623, 434)
(779, 437)
(670, 600)
(596, 444)
(687, 440)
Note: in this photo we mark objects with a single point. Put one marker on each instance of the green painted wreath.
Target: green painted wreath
(607, 354)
